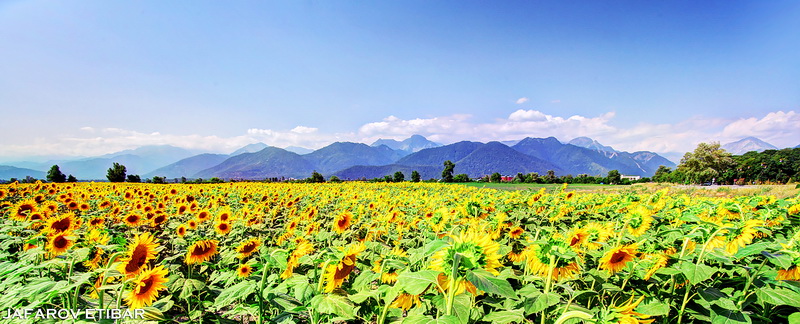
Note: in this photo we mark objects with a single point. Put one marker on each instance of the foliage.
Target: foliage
(135, 178)
(72, 178)
(614, 177)
(706, 163)
(55, 175)
(495, 177)
(116, 173)
(415, 176)
(461, 178)
(400, 252)
(399, 177)
(447, 173)
(316, 177)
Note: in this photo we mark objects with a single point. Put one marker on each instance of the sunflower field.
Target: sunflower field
(394, 253)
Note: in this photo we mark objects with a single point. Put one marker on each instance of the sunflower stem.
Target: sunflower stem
(451, 290)
(548, 281)
(100, 293)
(261, 293)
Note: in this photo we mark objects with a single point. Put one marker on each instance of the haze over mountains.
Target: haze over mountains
(348, 160)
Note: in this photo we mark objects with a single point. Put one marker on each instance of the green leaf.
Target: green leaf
(794, 318)
(487, 282)
(423, 319)
(653, 308)
(726, 316)
(542, 302)
(751, 250)
(362, 296)
(416, 282)
(696, 273)
(333, 304)
(239, 291)
(189, 287)
(504, 317)
(782, 260)
(778, 296)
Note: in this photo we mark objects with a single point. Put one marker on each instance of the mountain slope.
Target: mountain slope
(437, 156)
(188, 166)
(342, 155)
(267, 163)
(748, 144)
(7, 172)
(379, 171)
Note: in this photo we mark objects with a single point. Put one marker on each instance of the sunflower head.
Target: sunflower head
(201, 251)
(248, 247)
(146, 287)
(342, 222)
(141, 250)
(617, 258)
(222, 228)
(244, 270)
(60, 243)
(474, 251)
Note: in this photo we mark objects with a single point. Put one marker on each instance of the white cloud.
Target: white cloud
(779, 128)
(522, 100)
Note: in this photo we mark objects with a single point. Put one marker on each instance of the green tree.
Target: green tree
(399, 177)
(316, 177)
(461, 178)
(662, 174)
(116, 173)
(707, 162)
(447, 173)
(55, 175)
(72, 178)
(613, 177)
(157, 179)
(334, 179)
(532, 177)
(550, 177)
(415, 176)
(496, 177)
(135, 178)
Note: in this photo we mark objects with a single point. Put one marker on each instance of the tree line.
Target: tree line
(709, 163)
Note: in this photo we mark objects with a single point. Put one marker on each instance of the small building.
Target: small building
(630, 177)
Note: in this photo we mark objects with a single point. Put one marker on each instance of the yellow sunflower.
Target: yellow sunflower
(342, 222)
(222, 228)
(743, 235)
(303, 248)
(598, 234)
(59, 243)
(615, 259)
(625, 314)
(477, 251)
(60, 224)
(405, 301)
(201, 251)
(248, 247)
(146, 287)
(140, 252)
(244, 270)
(181, 230)
(639, 219)
(539, 256)
(335, 274)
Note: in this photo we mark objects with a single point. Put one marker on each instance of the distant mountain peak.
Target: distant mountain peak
(748, 144)
(589, 143)
(412, 144)
(250, 148)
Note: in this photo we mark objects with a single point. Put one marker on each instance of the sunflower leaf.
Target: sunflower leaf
(487, 282)
(416, 282)
(778, 296)
(333, 304)
(424, 319)
(239, 291)
(696, 273)
(541, 303)
(504, 317)
(189, 287)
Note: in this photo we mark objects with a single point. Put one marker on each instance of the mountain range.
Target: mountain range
(348, 160)
(748, 144)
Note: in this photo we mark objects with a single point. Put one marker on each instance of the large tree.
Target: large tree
(447, 173)
(55, 175)
(707, 162)
(116, 173)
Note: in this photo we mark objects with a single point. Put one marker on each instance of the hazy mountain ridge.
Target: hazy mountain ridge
(748, 144)
(357, 160)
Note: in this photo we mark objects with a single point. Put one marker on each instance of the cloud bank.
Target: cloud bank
(779, 128)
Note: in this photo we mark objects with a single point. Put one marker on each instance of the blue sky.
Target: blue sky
(94, 77)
